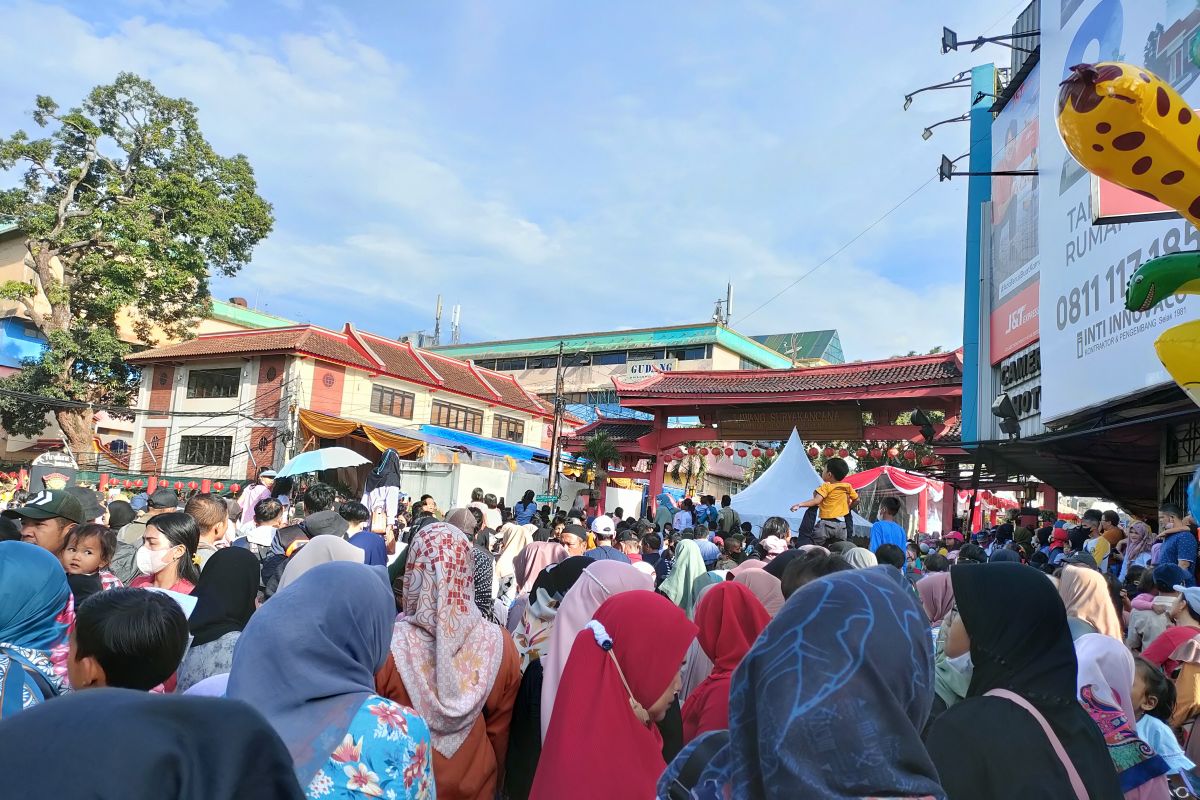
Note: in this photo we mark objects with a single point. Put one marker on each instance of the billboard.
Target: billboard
(1014, 263)
(1092, 350)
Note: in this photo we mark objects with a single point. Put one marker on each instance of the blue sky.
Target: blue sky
(560, 166)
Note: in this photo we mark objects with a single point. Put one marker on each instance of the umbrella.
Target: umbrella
(325, 458)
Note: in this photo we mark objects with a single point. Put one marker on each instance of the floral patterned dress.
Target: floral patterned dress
(386, 753)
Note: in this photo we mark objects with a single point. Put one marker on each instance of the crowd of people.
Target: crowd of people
(295, 642)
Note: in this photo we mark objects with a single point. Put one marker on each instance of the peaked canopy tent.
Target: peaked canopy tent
(790, 479)
(919, 496)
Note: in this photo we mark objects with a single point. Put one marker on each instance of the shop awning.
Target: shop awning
(324, 426)
(493, 447)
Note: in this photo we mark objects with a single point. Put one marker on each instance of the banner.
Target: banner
(1015, 263)
(1093, 350)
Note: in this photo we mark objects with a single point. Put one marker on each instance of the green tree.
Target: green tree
(601, 451)
(125, 207)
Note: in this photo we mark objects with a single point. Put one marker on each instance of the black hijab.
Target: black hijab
(224, 594)
(1003, 554)
(120, 514)
(386, 474)
(556, 579)
(779, 563)
(1020, 642)
(238, 754)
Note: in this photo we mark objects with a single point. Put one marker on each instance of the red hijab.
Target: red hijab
(730, 618)
(650, 635)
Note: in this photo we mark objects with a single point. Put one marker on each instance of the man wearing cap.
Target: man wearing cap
(47, 518)
(1185, 624)
(605, 532)
(574, 538)
(163, 501)
(325, 523)
(89, 501)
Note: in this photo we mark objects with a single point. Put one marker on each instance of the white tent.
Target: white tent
(789, 480)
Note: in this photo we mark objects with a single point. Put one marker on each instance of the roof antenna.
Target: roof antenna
(437, 323)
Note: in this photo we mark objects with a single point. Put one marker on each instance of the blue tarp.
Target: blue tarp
(481, 444)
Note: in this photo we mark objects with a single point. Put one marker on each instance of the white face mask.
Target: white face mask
(151, 562)
(962, 664)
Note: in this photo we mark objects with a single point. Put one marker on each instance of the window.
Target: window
(205, 451)
(392, 402)
(645, 355)
(486, 363)
(205, 384)
(460, 418)
(689, 353)
(543, 362)
(512, 430)
(608, 358)
(506, 364)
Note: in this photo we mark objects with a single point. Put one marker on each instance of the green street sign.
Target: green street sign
(546, 498)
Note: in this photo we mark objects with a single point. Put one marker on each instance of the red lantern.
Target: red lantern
(691, 451)
(205, 486)
(703, 451)
(151, 484)
(876, 452)
(770, 452)
(813, 452)
(756, 452)
(910, 455)
(218, 486)
(829, 451)
(860, 452)
(235, 488)
(893, 452)
(843, 452)
(193, 485)
(741, 452)
(179, 486)
(927, 461)
(729, 451)
(127, 483)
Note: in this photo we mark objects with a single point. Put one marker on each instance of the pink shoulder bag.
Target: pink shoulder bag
(1059, 750)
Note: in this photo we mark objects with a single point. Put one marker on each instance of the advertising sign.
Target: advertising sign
(1092, 350)
(814, 421)
(642, 369)
(1015, 263)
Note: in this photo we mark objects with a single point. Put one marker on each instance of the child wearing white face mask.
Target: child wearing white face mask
(167, 558)
(952, 673)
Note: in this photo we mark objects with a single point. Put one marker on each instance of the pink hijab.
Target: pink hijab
(765, 586)
(937, 595)
(598, 582)
(446, 653)
(530, 562)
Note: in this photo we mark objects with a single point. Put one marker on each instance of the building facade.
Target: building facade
(593, 360)
(226, 405)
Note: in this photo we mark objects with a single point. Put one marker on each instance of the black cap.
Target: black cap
(576, 530)
(89, 501)
(325, 523)
(48, 505)
(164, 498)
(627, 536)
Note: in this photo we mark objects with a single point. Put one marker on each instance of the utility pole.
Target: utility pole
(556, 433)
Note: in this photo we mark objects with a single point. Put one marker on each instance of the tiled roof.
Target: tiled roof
(362, 350)
(943, 369)
(619, 431)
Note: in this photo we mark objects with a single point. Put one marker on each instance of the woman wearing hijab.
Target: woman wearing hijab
(1022, 692)
(225, 599)
(1089, 605)
(321, 550)
(532, 636)
(729, 618)
(139, 747)
(620, 678)
(801, 682)
(765, 587)
(600, 581)
(303, 665)
(861, 558)
(937, 596)
(529, 563)
(679, 587)
(1105, 684)
(120, 514)
(460, 672)
(484, 567)
(34, 602)
(514, 539)
(1139, 539)
(381, 492)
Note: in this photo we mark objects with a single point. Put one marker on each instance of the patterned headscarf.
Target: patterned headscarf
(483, 583)
(446, 653)
(804, 678)
(1141, 539)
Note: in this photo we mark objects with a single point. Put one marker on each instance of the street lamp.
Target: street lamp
(962, 79)
(928, 132)
(946, 170)
(950, 40)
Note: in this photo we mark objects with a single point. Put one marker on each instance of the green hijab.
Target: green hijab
(680, 585)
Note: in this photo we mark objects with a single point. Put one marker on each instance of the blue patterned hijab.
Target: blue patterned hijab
(831, 700)
(33, 592)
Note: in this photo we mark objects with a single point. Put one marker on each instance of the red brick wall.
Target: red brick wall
(162, 388)
(155, 441)
(328, 382)
(270, 386)
(262, 444)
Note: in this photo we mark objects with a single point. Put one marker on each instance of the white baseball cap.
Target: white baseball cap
(604, 526)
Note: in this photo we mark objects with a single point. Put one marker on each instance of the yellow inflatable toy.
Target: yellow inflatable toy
(1132, 128)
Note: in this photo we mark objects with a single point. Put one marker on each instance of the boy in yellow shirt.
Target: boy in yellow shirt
(828, 517)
